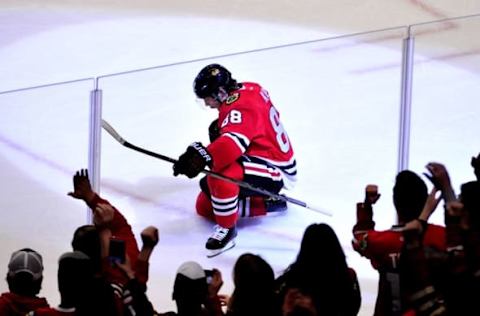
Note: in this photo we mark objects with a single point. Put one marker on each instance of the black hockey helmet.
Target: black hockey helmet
(210, 79)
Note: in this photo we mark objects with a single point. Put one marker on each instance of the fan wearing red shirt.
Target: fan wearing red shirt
(383, 247)
(250, 145)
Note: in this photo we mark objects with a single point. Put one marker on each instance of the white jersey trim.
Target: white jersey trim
(289, 175)
(240, 140)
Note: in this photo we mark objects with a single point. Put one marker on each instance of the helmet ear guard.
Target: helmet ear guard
(214, 81)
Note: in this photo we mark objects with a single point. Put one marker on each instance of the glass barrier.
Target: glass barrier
(445, 115)
(44, 136)
(339, 102)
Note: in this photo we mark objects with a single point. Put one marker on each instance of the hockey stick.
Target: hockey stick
(242, 184)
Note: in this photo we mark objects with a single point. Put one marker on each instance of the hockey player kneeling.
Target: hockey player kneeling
(248, 143)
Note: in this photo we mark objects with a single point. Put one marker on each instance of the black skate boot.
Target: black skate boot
(221, 240)
(275, 205)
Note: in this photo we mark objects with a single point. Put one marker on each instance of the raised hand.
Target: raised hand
(431, 204)
(441, 180)
(371, 194)
(82, 188)
(439, 175)
(150, 236)
(149, 239)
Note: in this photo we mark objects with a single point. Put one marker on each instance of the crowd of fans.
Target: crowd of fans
(424, 269)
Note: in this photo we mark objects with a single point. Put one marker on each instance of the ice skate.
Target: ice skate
(273, 205)
(220, 241)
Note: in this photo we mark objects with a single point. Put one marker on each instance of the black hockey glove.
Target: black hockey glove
(213, 131)
(193, 161)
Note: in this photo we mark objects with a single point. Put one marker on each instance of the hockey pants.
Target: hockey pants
(224, 202)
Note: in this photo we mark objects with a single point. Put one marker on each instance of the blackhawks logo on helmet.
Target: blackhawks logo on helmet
(214, 71)
(232, 98)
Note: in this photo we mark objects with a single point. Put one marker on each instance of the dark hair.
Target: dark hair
(23, 284)
(186, 288)
(470, 197)
(189, 295)
(87, 240)
(75, 278)
(321, 271)
(316, 238)
(254, 282)
(409, 195)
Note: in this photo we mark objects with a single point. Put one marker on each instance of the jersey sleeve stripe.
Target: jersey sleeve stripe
(277, 177)
(284, 164)
(261, 170)
(287, 167)
(240, 140)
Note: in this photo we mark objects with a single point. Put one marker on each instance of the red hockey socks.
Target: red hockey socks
(204, 206)
(252, 206)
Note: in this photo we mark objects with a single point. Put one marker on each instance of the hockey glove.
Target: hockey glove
(193, 161)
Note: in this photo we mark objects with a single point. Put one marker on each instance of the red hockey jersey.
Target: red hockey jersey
(250, 125)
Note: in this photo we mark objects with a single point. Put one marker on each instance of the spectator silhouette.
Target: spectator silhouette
(383, 248)
(254, 292)
(75, 284)
(134, 291)
(194, 294)
(24, 278)
(107, 219)
(321, 272)
(469, 290)
(86, 240)
(475, 163)
(463, 244)
(111, 283)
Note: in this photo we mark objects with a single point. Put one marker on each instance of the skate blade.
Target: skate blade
(216, 252)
